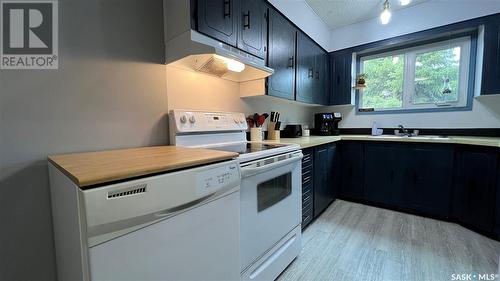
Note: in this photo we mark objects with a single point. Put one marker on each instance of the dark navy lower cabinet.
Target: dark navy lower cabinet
(476, 184)
(428, 179)
(460, 183)
(319, 180)
(496, 229)
(324, 187)
(307, 187)
(414, 177)
(384, 174)
(352, 170)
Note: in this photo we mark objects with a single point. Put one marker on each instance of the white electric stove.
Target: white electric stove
(221, 131)
(271, 188)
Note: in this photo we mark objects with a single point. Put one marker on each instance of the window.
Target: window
(427, 77)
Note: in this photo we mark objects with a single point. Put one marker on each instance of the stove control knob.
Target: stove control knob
(184, 119)
(242, 120)
(192, 120)
(236, 119)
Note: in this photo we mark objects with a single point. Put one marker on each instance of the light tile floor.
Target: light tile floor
(351, 241)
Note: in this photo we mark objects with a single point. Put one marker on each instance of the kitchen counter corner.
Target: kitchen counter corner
(91, 168)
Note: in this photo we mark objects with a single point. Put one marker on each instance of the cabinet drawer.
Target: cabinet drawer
(307, 177)
(307, 159)
(307, 215)
(306, 190)
(307, 199)
(306, 221)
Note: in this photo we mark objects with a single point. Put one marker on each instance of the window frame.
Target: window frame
(438, 43)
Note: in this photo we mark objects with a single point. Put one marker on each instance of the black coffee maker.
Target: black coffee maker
(327, 124)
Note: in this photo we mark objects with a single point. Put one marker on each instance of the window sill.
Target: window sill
(417, 110)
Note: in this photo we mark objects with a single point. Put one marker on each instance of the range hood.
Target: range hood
(189, 49)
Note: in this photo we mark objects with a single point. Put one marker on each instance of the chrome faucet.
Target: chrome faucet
(404, 131)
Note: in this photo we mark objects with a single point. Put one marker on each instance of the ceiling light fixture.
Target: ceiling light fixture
(385, 16)
(404, 2)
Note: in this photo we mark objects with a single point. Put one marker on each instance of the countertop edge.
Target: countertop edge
(149, 172)
(83, 182)
(312, 141)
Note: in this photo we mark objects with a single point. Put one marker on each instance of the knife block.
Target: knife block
(272, 134)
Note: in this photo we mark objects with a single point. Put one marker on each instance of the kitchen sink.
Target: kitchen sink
(422, 137)
(390, 137)
(433, 137)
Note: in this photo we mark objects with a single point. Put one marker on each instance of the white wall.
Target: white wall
(485, 114)
(109, 92)
(300, 13)
(195, 91)
(423, 16)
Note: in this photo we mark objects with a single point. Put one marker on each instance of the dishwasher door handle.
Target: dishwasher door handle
(152, 217)
(252, 169)
(188, 205)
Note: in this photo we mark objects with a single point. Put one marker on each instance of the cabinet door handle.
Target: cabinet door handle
(290, 62)
(310, 73)
(227, 8)
(338, 79)
(317, 75)
(246, 20)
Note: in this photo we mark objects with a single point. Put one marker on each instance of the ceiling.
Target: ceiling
(337, 13)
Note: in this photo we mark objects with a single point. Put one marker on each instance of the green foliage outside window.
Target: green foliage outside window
(384, 82)
(436, 79)
(432, 69)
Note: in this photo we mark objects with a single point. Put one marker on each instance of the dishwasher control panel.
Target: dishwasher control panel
(210, 181)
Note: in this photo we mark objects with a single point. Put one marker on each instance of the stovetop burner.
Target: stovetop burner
(246, 147)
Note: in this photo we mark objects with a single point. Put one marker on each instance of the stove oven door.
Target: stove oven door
(270, 203)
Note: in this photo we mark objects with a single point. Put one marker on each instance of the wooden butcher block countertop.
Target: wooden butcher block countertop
(91, 168)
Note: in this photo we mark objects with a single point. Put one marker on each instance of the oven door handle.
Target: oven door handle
(251, 170)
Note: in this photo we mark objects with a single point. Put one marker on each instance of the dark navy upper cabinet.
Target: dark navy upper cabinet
(219, 19)
(281, 56)
(428, 179)
(476, 186)
(311, 71)
(324, 173)
(384, 174)
(320, 95)
(253, 27)
(491, 57)
(352, 170)
(341, 80)
(306, 56)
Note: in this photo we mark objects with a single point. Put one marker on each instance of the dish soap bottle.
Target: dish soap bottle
(374, 128)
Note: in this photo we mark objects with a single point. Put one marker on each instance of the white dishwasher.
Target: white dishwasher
(181, 225)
